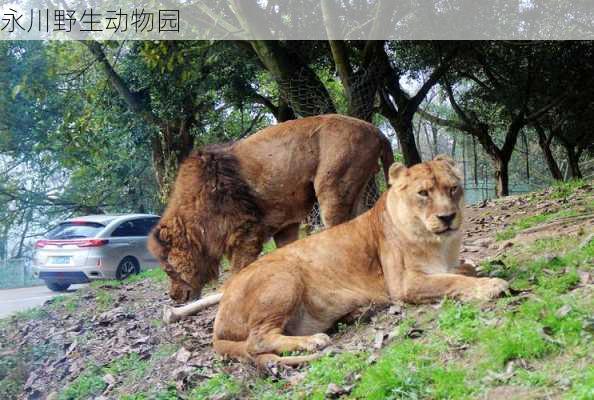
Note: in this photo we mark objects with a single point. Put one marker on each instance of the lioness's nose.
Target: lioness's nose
(447, 219)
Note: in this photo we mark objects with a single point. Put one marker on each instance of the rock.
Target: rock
(109, 379)
(471, 249)
(379, 340)
(395, 309)
(183, 355)
(482, 242)
(584, 277)
(505, 245)
(563, 311)
(334, 391)
(52, 396)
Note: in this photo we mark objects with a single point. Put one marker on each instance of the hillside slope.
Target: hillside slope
(108, 341)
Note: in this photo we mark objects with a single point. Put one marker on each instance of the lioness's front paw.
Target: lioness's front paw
(487, 289)
(491, 288)
(318, 341)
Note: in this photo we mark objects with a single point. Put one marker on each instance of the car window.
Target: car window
(129, 228)
(137, 227)
(148, 224)
(75, 230)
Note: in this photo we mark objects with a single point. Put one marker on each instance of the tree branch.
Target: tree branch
(435, 76)
(136, 101)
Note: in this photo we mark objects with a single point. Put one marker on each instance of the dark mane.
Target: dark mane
(228, 192)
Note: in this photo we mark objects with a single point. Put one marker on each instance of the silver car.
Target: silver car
(83, 249)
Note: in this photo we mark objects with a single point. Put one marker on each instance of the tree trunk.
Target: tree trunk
(475, 162)
(454, 147)
(573, 158)
(545, 145)
(527, 155)
(170, 147)
(404, 131)
(301, 87)
(434, 134)
(501, 176)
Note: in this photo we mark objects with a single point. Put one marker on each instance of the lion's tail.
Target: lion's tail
(239, 350)
(387, 156)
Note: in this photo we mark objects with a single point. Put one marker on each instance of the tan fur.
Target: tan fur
(230, 199)
(399, 250)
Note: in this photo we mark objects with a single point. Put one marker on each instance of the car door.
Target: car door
(147, 226)
(127, 240)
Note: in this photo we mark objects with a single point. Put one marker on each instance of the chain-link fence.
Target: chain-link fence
(17, 273)
(373, 191)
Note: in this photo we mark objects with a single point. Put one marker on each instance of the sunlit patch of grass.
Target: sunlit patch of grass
(155, 274)
(269, 246)
(131, 367)
(221, 386)
(528, 222)
(104, 300)
(564, 189)
(98, 284)
(70, 302)
(460, 321)
(583, 388)
(411, 370)
(87, 385)
(515, 339)
(13, 374)
(30, 314)
(167, 394)
(332, 369)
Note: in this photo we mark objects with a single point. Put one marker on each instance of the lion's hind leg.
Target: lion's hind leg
(265, 348)
(230, 348)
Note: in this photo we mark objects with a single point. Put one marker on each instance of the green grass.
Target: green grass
(583, 389)
(528, 222)
(30, 314)
(87, 385)
(70, 302)
(564, 189)
(560, 191)
(12, 376)
(269, 246)
(411, 370)
(104, 300)
(129, 369)
(460, 322)
(332, 369)
(218, 386)
(155, 274)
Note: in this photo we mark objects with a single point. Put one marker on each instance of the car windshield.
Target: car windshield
(75, 230)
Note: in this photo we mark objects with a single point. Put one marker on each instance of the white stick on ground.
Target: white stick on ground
(174, 314)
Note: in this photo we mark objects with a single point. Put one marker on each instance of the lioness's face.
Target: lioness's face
(177, 261)
(428, 196)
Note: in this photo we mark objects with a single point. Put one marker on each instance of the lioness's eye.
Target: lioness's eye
(423, 193)
(453, 189)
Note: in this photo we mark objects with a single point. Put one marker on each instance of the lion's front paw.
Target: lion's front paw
(487, 289)
(318, 341)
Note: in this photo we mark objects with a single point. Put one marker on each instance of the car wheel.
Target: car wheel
(57, 286)
(127, 267)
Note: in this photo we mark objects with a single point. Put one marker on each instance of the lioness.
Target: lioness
(230, 199)
(405, 248)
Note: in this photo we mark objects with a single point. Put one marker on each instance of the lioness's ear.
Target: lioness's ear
(396, 170)
(446, 158)
(451, 162)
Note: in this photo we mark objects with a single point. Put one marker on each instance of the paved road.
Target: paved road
(13, 300)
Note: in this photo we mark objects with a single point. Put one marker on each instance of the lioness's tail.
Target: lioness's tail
(239, 350)
(387, 157)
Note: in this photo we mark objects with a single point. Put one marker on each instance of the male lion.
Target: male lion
(405, 248)
(230, 199)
